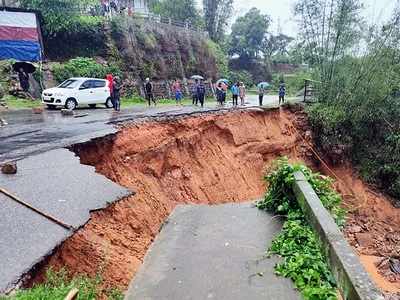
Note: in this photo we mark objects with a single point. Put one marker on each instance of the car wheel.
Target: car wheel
(92, 105)
(70, 104)
(49, 106)
(109, 103)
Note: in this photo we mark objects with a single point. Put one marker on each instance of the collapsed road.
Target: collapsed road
(169, 159)
(27, 134)
(49, 187)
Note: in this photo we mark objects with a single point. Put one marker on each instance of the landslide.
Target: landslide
(207, 159)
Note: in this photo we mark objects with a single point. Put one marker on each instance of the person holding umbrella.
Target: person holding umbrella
(262, 89)
(223, 83)
(195, 99)
(23, 80)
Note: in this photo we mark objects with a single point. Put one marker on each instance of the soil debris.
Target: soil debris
(9, 168)
(209, 159)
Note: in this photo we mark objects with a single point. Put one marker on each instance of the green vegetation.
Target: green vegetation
(241, 76)
(248, 33)
(58, 285)
(304, 260)
(135, 100)
(83, 67)
(253, 48)
(220, 57)
(66, 32)
(217, 14)
(14, 103)
(17, 103)
(357, 113)
(293, 82)
(180, 10)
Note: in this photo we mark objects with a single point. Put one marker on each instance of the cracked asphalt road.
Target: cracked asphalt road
(27, 133)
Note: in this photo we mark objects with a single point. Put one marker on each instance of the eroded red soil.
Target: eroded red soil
(208, 159)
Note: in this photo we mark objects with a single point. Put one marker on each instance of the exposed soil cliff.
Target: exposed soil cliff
(210, 159)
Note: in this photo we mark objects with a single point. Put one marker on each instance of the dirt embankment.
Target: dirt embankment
(207, 159)
(373, 229)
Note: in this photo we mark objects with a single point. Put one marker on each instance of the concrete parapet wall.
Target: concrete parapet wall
(353, 280)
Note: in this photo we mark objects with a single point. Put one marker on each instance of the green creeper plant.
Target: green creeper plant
(303, 259)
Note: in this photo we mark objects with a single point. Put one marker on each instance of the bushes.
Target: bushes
(66, 33)
(84, 36)
(369, 133)
(241, 76)
(303, 259)
(83, 67)
(294, 82)
(221, 58)
(58, 285)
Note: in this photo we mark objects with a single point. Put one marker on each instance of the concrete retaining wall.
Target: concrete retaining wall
(353, 280)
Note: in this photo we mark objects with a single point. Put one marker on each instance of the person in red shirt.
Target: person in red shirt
(110, 84)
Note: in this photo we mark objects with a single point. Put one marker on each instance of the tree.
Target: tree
(276, 45)
(329, 29)
(248, 34)
(58, 15)
(179, 10)
(216, 17)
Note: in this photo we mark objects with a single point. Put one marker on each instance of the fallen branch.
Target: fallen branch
(72, 294)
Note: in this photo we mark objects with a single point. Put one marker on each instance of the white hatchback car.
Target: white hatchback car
(77, 92)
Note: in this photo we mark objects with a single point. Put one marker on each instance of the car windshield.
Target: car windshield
(69, 84)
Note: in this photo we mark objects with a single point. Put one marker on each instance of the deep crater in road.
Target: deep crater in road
(206, 159)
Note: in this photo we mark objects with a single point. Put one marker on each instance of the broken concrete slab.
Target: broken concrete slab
(58, 185)
(26, 238)
(212, 252)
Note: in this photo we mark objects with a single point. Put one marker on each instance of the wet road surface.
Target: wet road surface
(28, 133)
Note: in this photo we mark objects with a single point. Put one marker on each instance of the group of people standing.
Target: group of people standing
(262, 91)
(198, 91)
(114, 84)
(238, 91)
(110, 7)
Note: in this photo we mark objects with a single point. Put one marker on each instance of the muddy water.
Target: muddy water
(210, 159)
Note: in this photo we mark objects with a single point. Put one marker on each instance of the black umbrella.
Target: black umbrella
(27, 67)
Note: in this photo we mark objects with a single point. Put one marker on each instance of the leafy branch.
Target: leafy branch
(303, 258)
